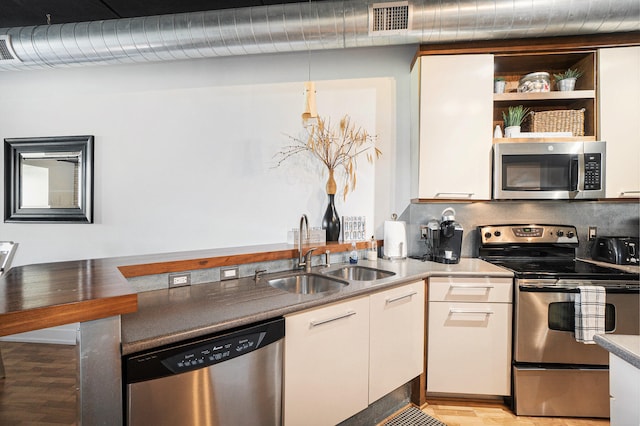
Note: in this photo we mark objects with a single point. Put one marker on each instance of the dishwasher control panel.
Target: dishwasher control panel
(213, 353)
(201, 353)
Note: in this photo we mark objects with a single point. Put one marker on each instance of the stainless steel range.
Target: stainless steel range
(553, 373)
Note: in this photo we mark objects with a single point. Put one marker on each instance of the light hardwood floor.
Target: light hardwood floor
(456, 413)
(40, 389)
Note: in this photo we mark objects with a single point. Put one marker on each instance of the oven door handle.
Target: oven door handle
(470, 311)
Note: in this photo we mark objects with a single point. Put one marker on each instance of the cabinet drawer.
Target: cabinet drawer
(479, 289)
(469, 348)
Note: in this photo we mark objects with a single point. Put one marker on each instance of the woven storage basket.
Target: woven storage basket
(565, 120)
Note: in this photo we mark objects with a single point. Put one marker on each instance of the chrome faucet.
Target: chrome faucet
(304, 260)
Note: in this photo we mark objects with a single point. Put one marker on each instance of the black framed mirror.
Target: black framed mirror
(48, 179)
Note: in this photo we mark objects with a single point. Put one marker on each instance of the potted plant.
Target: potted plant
(513, 120)
(566, 81)
(499, 85)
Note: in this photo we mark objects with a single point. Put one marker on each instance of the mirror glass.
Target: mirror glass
(49, 179)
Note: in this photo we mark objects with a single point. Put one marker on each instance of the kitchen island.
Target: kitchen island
(624, 377)
(114, 319)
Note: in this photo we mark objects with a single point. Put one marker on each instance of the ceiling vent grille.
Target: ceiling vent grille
(389, 18)
(7, 55)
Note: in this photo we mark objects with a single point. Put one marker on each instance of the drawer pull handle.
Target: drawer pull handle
(339, 317)
(469, 311)
(471, 286)
(454, 194)
(395, 299)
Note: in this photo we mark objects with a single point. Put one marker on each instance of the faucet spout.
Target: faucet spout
(304, 260)
(304, 222)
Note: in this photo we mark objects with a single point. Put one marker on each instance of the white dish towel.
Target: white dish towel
(589, 308)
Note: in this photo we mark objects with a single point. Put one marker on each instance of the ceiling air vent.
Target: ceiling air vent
(389, 18)
(7, 55)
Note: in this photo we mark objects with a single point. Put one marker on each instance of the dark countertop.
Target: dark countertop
(624, 346)
(173, 315)
(44, 295)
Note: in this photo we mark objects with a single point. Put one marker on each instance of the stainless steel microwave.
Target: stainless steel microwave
(549, 171)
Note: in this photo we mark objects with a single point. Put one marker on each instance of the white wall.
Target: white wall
(183, 150)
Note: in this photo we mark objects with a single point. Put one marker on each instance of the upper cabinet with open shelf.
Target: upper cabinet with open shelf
(511, 67)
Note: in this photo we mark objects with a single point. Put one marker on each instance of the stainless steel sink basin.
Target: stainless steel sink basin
(307, 283)
(360, 273)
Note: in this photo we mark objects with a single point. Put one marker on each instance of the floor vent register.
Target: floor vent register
(412, 416)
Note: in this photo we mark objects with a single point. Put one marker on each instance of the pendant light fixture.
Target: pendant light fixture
(310, 114)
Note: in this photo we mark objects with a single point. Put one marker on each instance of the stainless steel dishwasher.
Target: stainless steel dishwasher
(234, 378)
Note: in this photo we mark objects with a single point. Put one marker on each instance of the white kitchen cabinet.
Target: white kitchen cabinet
(624, 388)
(340, 358)
(453, 116)
(326, 368)
(469, 335)
(619, 87)
(397, 336)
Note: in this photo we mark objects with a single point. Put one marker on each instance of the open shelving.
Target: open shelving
(512, 67)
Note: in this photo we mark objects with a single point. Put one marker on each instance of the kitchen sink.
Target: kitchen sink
(360, 273)
(307, 283)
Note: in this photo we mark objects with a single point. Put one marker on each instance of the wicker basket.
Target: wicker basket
(565, 120)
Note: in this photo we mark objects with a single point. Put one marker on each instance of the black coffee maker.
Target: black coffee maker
(444, 238)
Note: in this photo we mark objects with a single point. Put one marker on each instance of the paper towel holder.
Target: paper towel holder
(395, 240)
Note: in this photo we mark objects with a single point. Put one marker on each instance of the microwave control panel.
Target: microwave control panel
(592, 171)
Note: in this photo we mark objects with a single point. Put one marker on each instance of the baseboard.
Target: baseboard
(62, 335)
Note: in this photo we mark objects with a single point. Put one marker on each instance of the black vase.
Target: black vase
(331, 221)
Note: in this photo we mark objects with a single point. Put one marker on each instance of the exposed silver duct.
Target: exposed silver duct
(306, 26)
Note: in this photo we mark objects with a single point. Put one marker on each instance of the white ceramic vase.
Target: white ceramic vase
(512, 132)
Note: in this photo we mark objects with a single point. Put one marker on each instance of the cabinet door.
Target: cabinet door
(619, 72)
(624, 386)
(326, 363)
(456, 112)
(469, 348)
(396, 338)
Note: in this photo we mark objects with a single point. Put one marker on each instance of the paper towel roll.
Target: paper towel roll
(395, 239)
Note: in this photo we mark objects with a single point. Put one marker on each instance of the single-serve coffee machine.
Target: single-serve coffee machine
(444, 238)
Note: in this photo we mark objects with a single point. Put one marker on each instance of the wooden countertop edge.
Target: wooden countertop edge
(218, 258)
(55, 315)
(119, 298)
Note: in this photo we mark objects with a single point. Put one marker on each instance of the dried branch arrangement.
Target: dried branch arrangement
(334, 147)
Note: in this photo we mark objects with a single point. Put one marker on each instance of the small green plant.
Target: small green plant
(570, 73)
(514, 116)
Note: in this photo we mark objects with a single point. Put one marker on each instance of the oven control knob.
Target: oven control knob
(487, 235)
(497, 233)
(570, 234)
(560, 233)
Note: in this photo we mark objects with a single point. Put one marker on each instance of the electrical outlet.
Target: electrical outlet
(423, 232)
(593, 232)
(180, 279)
(230, 273)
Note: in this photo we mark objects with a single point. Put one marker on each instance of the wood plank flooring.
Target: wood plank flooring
(40, 389)
(456, 413)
